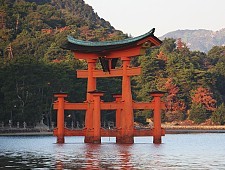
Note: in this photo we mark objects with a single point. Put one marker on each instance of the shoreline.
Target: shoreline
(168, 130)
(27, 134)
(177, 129)
(191, 131)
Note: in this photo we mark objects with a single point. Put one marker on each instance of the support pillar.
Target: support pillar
(157, 131)
(91, 86)
(118, 98)
(60, 117)
(97, 116)
(127, 120)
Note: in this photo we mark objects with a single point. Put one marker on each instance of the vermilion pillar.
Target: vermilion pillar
(127, 118)
(60, 116)
(118, 98)
(157, 131)
(91, 86)
(96, 116)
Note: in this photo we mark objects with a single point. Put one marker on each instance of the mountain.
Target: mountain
(199, 40)
(37, 28)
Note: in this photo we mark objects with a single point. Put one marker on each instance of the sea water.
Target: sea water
(178, 151)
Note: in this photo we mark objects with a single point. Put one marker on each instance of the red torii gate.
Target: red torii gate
(108, 53)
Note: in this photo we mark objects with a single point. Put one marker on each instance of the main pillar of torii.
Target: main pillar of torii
(108, 53)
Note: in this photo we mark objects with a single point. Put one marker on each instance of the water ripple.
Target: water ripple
(179, 152)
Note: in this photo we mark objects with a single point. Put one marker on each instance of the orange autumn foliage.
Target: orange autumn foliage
(172, 102)
(204, 96)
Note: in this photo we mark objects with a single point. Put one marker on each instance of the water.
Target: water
(178, 151)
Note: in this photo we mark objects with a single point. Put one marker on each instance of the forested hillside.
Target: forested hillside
(38, 28)
(33, 66)
(193, 80)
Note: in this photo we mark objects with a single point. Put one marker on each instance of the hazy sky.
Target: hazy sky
(137, 17)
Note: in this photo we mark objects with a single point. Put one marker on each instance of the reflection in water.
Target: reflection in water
(188, 151)
(92, 156)
(125, 156)
(59, 165)
(95, 156)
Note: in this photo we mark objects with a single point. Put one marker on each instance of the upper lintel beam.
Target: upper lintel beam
(126, 52)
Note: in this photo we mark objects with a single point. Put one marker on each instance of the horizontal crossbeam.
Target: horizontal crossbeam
(109, 105)
(113, 73)
(147, 105)
(108, 132)
(72, 106)
(118, 53)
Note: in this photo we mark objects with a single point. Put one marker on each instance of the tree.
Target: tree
(218, 116)
(202, 105)
(174, 106)
(204, 97)
(152, 70)
(26, 87)
(30, 84)
(216, 54)
(218, 74)
(198, 113)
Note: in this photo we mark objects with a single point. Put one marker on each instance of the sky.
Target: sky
(136, 17)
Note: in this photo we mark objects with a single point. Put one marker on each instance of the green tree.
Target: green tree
(153, 69)
(218, 116)
(198, 113)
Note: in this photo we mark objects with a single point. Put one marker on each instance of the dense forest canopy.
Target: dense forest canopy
(33, 66)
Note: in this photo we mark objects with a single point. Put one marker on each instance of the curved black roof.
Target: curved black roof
(99, 47)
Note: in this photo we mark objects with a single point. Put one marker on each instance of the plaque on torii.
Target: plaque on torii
(108, 54)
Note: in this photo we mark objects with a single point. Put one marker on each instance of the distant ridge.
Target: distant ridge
(199, 40)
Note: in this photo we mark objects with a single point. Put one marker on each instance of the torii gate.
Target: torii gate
(108, 53)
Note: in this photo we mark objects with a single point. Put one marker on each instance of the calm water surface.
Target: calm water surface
(178, 151)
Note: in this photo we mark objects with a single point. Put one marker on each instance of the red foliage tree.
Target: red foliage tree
(204, 96)
(172, 102)
(180, 44)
